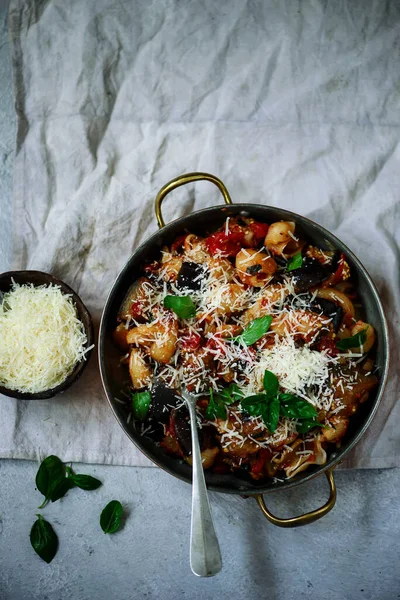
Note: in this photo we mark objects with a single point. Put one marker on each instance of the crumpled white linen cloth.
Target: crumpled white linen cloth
(292, 104)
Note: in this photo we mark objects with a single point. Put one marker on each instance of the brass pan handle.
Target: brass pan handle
(307, 517)
(183, 180)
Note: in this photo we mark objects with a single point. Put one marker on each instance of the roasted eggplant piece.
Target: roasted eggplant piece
(182, 429)
(190, 276)
(163, 399)
(329, 309)
(309, 275)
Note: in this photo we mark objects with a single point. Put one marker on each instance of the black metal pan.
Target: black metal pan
(203, 222)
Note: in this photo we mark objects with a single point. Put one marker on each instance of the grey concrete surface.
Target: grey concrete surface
(352, 554)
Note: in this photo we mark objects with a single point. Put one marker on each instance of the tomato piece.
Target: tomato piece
(190, 341)
(328, 345)
(259, 230)
(152, 267)
(136, 309)
(259, 463)
(227, 244)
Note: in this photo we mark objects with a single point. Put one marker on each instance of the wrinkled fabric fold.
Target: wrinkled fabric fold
(292, 105)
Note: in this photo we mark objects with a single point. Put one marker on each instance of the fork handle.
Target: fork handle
(205, 555)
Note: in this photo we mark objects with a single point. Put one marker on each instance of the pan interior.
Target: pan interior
(115, 376)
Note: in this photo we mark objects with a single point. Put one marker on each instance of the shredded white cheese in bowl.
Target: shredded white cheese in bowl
(42, 339)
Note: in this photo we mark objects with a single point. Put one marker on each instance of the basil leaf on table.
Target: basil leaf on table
(110, 518)
(255, 330)
(49, 476)
(355, 341)
(295, 262)
(84, 482)
(140, 404)
(44, 539)
(271, 384)
(294, 407)
(181, 305)
(62, 487)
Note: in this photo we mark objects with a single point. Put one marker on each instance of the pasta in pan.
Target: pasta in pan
(263, 328)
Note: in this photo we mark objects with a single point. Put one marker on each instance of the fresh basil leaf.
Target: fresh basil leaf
(51, 472)
(181, 305)
(255, 410)
(295, 262)
(230, 394)
(140, 404)
(62, 487)
(287, 396)
(296, 408)
(215, 409)
(253, 400)
(270, 414)
(271, 384)
(44, 539)
(307, 424)
(110, 518)
(355, 341)
(255, 330)
(86, 482)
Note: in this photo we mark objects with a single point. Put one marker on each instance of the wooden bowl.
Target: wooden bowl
(38, 278)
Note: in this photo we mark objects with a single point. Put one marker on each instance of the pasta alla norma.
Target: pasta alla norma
(266, 329)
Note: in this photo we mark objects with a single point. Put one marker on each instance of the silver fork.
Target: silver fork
(205, 555)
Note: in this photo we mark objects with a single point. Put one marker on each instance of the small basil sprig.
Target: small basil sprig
(307, 424)
(181, 305)
(141, 404)
(272, 404)
(54, 480)
(110, 518)
(50, 479)
(84, 482)
(295, 262)
(44, 539)
(215, 409)
(216, 406)
(355, 341)
(294, 407)
(255, 330)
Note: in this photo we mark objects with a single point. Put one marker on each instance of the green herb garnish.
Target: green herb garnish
(44, 539)
(270, 413)
(271, 384)
(272, 403)
(216, 406)
(355, 341)
(140, 404)
(54, 480)
(49, 478)
(295, 262)
(255, 330)
(110, 518)
(181, 305)
(307, 424)
(294, 407)
(84, 482)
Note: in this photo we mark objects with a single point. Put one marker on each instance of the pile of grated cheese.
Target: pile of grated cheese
(298, 370)
(41, 338)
